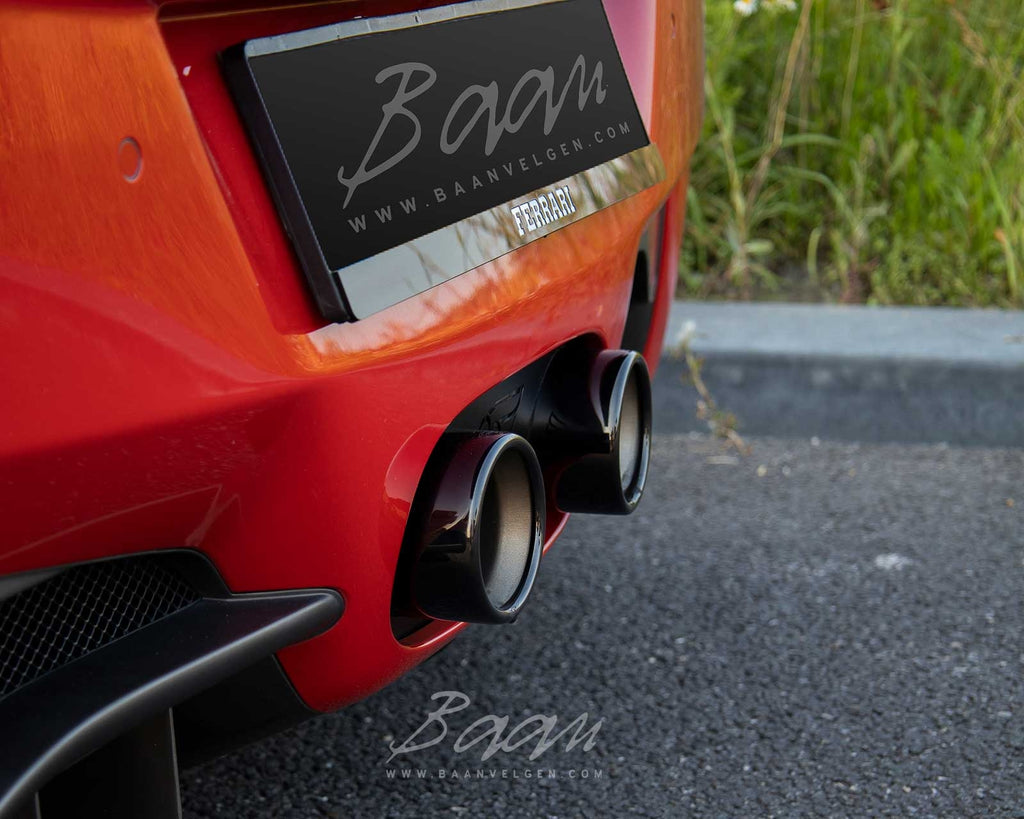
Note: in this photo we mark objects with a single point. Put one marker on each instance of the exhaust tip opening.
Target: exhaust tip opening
(508, 530)
(634, 435)
(630, 438)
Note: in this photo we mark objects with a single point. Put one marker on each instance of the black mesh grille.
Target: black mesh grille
(81, 610)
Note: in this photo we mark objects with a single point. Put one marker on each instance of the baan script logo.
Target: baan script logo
(416, 78)
(491, 733)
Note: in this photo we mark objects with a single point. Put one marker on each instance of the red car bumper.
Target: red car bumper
(167, 383)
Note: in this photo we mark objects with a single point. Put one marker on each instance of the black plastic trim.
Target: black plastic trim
(257, 702)
(13, 584)
(55, 721)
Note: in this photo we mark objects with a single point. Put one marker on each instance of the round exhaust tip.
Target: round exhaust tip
(612, 480)
(480, 543)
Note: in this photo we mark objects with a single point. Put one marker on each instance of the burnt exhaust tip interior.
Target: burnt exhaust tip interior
(507, 529)
(477, 529)
(632, 437)
(610, 478)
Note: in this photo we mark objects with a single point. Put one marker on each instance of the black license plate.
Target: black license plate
(405, 150)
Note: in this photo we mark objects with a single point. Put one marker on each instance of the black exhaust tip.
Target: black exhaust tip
(477, 530)
(610, 478)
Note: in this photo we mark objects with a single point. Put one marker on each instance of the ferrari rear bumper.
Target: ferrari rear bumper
(171, 385)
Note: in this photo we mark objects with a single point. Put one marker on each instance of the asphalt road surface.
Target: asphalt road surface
(814, 630)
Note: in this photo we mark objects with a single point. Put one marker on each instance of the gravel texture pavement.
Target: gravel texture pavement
(816, 629)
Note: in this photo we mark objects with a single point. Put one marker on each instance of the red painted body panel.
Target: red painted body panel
(166, 380)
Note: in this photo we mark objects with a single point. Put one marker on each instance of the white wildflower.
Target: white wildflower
(745, 7)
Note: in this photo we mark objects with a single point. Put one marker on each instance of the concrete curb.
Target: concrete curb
(912, 375)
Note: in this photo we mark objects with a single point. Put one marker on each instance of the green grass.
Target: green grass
(861, 150)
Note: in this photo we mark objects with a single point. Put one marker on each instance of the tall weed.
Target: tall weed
(863, 150)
